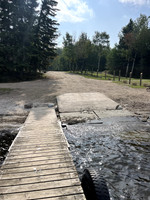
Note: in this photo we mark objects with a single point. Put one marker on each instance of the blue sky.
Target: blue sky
(76, 16)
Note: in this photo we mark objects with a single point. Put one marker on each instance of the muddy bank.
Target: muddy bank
(10, 125)
(6, 139)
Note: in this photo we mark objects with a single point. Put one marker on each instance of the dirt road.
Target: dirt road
(56, 83)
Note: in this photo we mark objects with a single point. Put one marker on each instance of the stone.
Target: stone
(118, 107)
(28, 105)
(95, 122)
(144, 119)
(50, 105)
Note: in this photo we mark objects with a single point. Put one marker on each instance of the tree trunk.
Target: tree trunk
(98, 66)
(133, 64)
(127, 68)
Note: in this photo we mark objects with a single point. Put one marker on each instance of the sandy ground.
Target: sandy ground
(56, 83)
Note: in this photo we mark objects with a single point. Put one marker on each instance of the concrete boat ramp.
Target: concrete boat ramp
(39, 164)
(80, 107)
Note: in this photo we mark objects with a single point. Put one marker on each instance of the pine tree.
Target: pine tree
(46, 34)
(5, 40)
(23, 18)
(17, 19)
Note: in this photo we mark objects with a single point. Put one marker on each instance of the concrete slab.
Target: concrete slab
(112, 113)
(77, 117)
(81, 107)
(78, 102)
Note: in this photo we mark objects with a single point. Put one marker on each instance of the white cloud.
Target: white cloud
(73, 11)
(136, 2)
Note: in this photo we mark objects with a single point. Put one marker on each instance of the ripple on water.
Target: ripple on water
(119, 149)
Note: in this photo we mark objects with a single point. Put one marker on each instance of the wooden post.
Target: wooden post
(114, 76)
(105, 75)
(141, 77)
(130, 78)
(119, 74)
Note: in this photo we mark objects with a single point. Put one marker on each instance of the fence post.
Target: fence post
(130, 78)
(105, 75)
(119, 74)
(114, 76)
(141, 77)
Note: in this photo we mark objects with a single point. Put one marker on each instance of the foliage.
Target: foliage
(26, 36)
(132, 52)
(83, 54)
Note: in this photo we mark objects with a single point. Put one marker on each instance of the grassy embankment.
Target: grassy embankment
(135, 82)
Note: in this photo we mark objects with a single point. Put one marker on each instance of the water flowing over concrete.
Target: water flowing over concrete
(111, 139)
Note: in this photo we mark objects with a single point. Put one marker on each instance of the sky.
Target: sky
(77, 16)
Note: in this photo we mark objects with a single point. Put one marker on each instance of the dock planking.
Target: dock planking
(39, 164)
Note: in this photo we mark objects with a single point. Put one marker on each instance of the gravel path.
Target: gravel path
(56, 83)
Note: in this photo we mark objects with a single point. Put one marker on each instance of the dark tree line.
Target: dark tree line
(27, 35)
(131, 54)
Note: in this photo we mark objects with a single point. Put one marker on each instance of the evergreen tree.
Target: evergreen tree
(16, 27)
(45, 35)
(5, 32)
(23, 18)
(69, 50)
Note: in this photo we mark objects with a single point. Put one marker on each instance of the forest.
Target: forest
(28, 33)
(131, 54)
(27, 37)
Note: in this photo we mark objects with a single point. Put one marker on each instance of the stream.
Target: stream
(119, 149)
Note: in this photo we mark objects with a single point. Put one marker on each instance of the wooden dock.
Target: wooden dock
(39, 165)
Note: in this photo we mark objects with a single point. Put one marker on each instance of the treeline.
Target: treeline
(27, 35)
(131, 54)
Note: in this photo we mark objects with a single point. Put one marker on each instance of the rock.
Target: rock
(28, 105)
(144, 119)
(118, 107)
(50, 105)
(64, 125)
(95, 121)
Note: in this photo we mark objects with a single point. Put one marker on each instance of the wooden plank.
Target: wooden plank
(35, 163)
(44, 193)
(39, 165)
(36, 168)
(38, 173)
(37, 157)
(38, 179)
(39, 186)
(41, 148)
(38, 154)
(37, 146)
(71, 197)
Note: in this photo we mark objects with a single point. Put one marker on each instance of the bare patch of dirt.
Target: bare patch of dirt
(57, 83)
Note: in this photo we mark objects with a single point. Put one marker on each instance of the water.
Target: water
(6, 139)
(120, 150)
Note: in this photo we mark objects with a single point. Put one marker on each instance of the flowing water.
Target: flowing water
(119, 149)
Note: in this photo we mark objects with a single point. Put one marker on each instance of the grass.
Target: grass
(135, 82)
